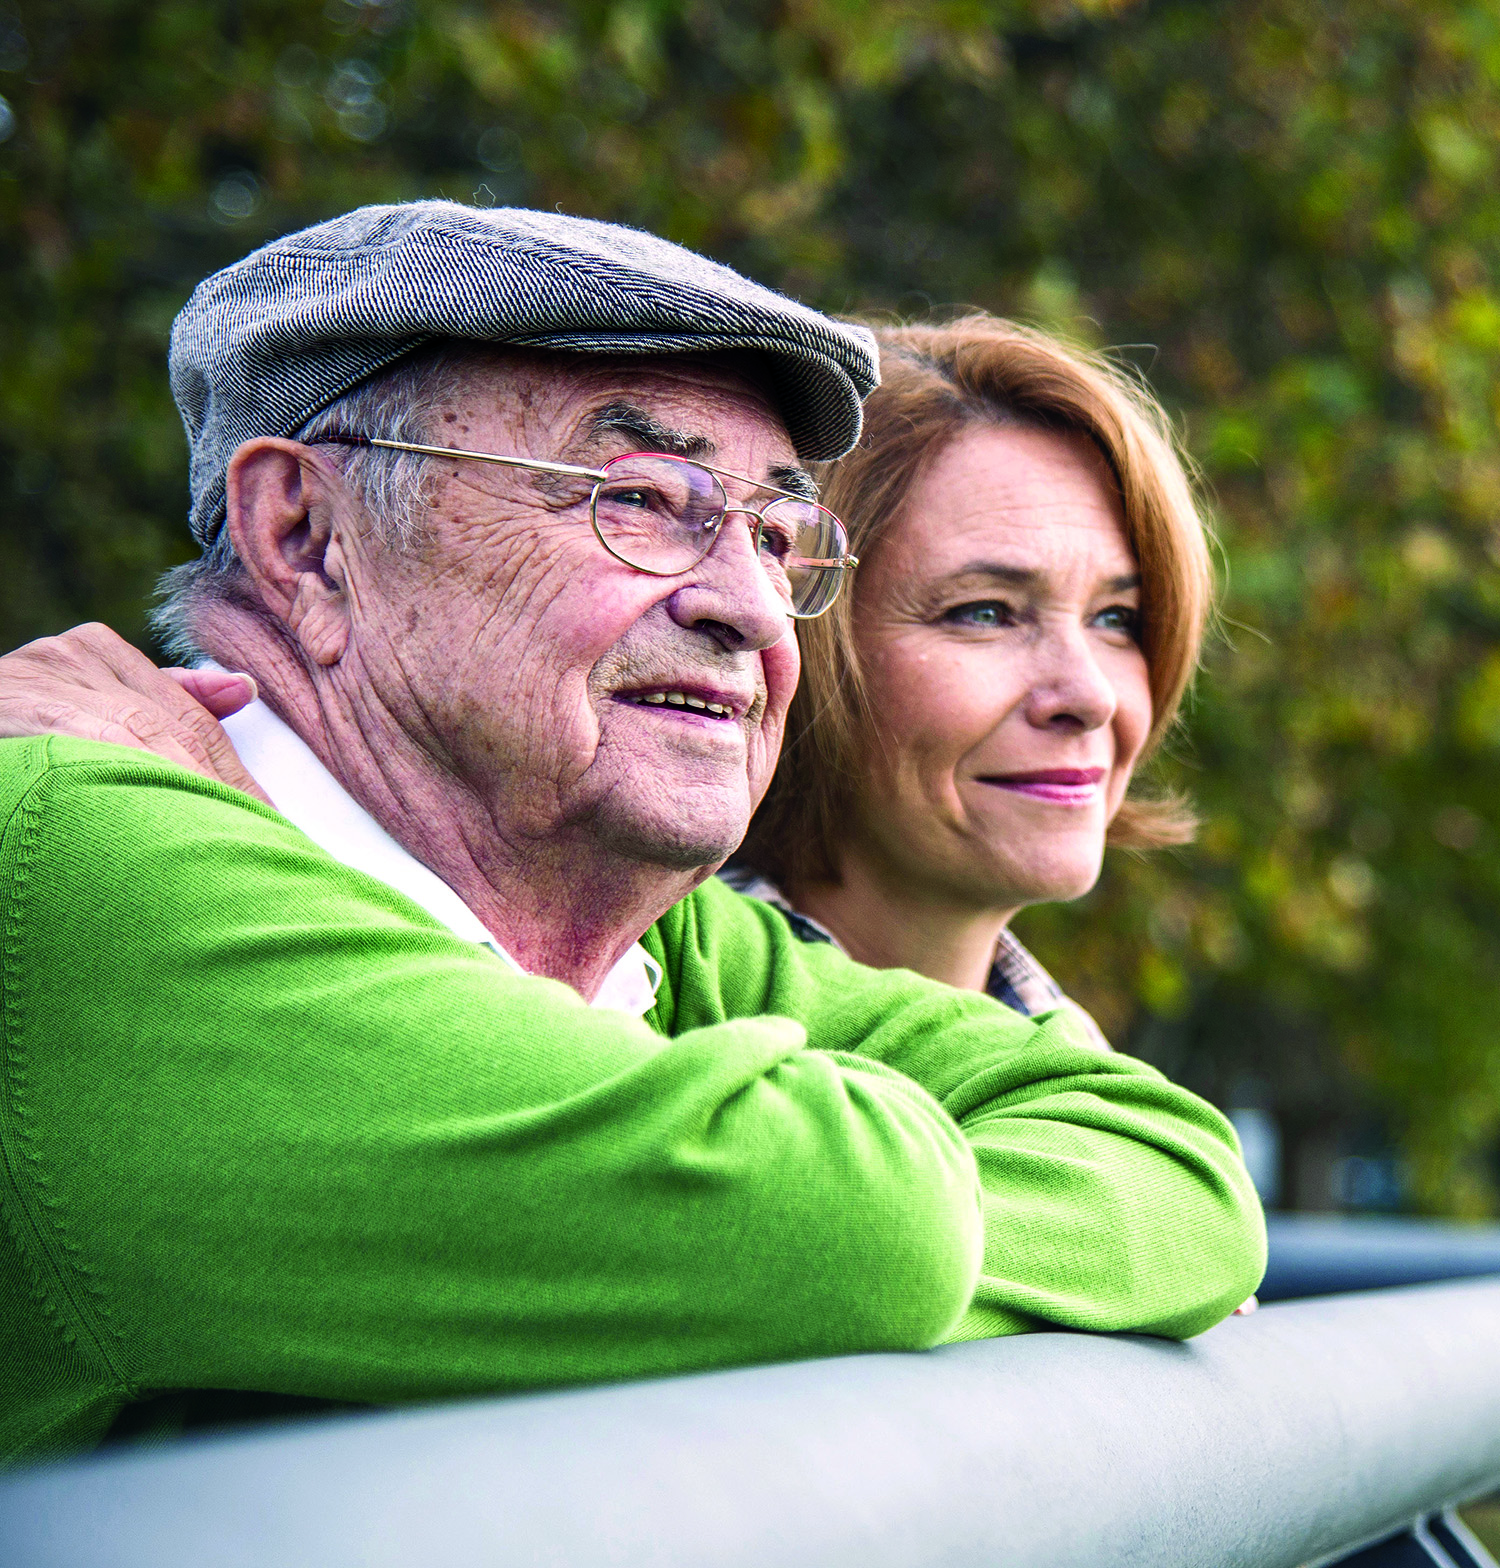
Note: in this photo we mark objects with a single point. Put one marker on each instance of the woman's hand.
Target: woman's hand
(91, 684)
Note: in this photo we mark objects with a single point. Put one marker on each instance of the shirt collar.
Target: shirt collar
(310, 798)
(1015, 977)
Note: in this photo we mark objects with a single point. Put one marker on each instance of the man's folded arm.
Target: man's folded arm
(269, 1127)
(1114, 1199)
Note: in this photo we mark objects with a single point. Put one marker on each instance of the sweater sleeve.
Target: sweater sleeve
(1113, 1199)
(266, 1126)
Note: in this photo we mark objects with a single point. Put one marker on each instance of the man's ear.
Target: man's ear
(281, 502)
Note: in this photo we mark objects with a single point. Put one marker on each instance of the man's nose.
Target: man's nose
(1069, 689)
(729, 594)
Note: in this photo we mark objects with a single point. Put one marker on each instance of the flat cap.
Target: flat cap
(264, 344)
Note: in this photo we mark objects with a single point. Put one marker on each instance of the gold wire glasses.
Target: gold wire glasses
(661, 515)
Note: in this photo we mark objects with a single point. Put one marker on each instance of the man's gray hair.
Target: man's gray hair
(396, 405)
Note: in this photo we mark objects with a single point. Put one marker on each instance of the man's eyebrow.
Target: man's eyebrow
(1027, 577)
(654, 436)
(797, 480)
(626, 419)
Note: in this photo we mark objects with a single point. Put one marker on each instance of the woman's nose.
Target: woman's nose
(1069, 689)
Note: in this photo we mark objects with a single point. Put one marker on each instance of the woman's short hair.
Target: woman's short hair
(936, 383)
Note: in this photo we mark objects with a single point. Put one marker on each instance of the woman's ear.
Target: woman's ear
(281, 502)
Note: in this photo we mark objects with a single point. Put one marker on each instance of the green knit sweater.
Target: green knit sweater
(268, 1131)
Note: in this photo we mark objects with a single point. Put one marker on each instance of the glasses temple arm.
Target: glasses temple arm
(479, 457)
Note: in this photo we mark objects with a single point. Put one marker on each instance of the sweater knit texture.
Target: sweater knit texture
(272, 1136)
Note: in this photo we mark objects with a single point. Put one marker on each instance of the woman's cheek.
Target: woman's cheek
(1133, 710)
(911, 671)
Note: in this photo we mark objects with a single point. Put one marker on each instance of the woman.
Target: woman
(1032, 594)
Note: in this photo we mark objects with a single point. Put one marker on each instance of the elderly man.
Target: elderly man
(445, 1066)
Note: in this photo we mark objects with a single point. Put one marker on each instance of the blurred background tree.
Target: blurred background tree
(1287, 214)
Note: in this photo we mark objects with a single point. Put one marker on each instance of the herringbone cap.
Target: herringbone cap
(267, 342)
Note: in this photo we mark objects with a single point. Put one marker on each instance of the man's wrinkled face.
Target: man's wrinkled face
(572, 693)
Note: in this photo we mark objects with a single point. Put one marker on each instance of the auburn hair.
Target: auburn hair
(938, 382)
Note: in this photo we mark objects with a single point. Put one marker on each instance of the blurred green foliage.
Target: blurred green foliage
(1289, 212)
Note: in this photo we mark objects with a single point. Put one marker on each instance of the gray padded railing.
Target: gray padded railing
(1315, 1254)
(1283, 1438)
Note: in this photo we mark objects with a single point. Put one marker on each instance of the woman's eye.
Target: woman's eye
(988, 612)
(1120, 618)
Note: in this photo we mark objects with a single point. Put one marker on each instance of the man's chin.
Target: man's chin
(681, 842)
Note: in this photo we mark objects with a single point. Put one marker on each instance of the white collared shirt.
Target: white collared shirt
(310, 798)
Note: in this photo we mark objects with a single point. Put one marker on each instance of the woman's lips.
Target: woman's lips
(1059, 786)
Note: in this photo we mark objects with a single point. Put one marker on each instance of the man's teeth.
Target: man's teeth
(680, 699)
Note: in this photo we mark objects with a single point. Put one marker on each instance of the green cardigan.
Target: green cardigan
(268, 1130)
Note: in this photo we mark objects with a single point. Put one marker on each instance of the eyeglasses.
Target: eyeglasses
(661, 515)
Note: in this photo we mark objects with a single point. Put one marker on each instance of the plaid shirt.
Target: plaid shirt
(1016, 978)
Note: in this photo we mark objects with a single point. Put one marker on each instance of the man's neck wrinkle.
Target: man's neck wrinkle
(561, 908)
(239, 639)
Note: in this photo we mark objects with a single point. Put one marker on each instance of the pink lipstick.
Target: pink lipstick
(1057, 786)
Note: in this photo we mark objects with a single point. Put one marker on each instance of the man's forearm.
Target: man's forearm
(1113, 1198)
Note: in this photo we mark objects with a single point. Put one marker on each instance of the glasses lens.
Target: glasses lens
(658, 514)
(802, 546)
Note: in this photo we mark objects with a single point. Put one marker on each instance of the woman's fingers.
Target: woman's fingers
(91, 684)
(222, 692)
(191, 736)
